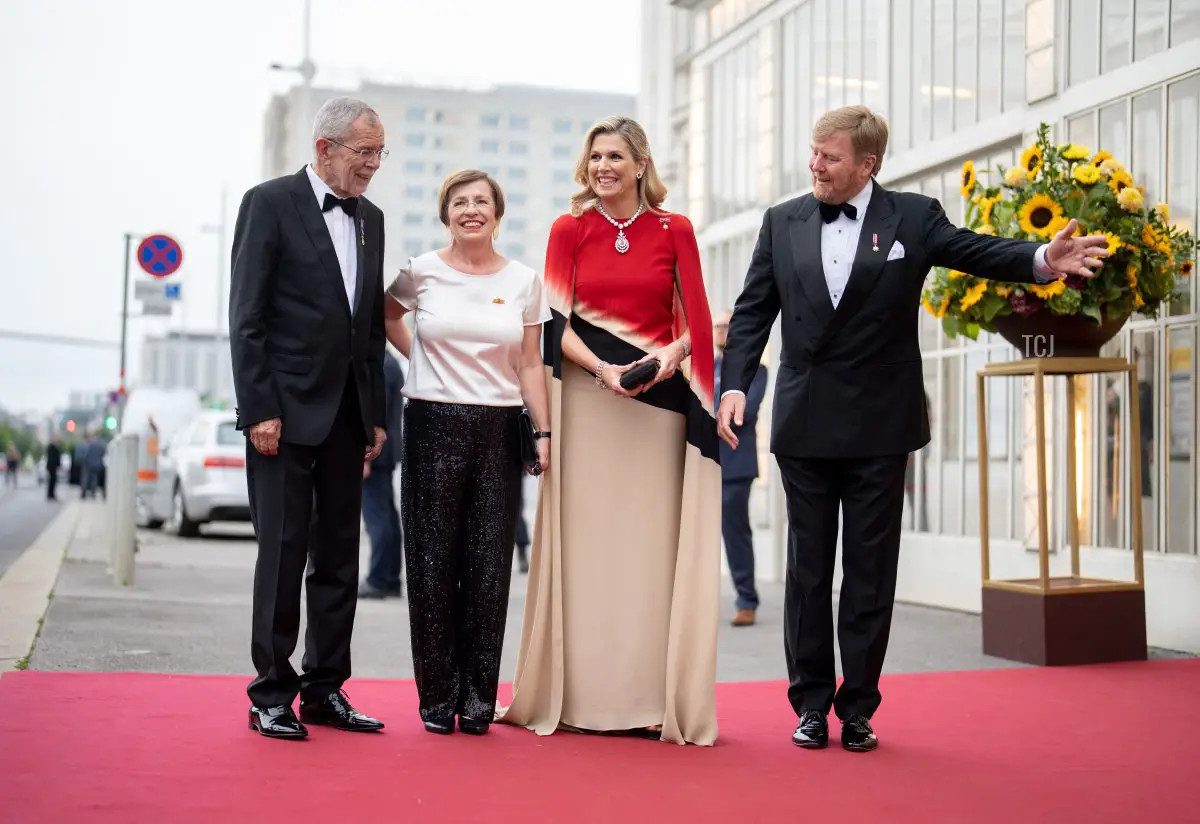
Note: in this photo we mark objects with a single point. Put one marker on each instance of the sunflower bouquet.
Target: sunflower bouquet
(1036, 200)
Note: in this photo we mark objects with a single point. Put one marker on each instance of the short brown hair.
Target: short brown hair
(868, 131)
(462, 178)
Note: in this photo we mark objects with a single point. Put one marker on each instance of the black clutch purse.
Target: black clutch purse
(638, 375)
(528, 443)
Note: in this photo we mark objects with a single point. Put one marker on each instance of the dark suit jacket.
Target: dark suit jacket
(295, 340)
(850, 382)
(742, 464)
(393, 379)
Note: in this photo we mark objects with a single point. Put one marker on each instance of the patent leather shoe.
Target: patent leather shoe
(812, 733)
(276, 722)
(472, 726)
(857, 735)
(336, 711)
(440, 726)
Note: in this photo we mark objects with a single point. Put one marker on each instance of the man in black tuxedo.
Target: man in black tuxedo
(306, 330)
(845, 266)
(739, 468)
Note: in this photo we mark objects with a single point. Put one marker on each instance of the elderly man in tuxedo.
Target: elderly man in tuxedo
(844, 266)
(306, 330)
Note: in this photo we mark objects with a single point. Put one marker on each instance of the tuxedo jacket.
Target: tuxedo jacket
(849, 381)
(295, 339)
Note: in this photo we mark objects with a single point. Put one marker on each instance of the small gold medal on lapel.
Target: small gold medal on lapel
(874, 243)
(497, 300)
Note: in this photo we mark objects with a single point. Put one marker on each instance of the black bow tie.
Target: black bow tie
(829, 211)
(349, 204)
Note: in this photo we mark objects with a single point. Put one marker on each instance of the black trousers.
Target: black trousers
(461, 492)
(870, 492)
(51, 483)
(305, 504)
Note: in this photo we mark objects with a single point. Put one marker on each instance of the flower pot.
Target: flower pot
(1047, 335)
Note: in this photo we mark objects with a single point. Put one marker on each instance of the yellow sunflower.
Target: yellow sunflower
(968, 179)
(1002, 291)
(1099, 157)
(1086, 175)
(986, 204)
(1156, 240)
(1119, 180)
(954, 274)
(1076, 152)
(1049, 290)
(1130, 199)
(1014, 177)
(1031, 161)
(1039, 215)
(1185, 271)
(973, 295)
(1114, 243)
(986, 229)
(1131, 274)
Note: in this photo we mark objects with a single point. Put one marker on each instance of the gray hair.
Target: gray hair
(336, 116)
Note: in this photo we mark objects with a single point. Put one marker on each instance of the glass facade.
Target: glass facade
(957, 80)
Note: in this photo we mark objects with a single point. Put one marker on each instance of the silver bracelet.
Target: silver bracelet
(687, 347)
(600, 375)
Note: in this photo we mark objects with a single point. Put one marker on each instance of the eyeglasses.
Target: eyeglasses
(460, 203)
(365, 154)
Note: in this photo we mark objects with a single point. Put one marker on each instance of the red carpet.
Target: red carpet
(1092, 744)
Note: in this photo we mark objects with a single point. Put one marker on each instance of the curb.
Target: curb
(26, 587)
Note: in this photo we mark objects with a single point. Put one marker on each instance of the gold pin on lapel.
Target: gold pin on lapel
(497, 300)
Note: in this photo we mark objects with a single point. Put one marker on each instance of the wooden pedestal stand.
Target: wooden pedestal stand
(1071, 619)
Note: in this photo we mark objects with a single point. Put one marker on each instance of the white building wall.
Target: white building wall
(958, 80)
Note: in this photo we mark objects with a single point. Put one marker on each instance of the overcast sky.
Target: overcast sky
(129, 115)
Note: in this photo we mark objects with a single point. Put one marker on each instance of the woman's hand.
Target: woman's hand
(669, 358)
(543, 450)
(610, 376)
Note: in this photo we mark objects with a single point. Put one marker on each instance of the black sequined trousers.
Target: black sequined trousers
(460, 498)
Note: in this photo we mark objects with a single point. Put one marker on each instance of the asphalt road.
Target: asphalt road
(24, 513)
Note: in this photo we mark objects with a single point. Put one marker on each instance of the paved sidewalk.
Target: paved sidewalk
(188, 611)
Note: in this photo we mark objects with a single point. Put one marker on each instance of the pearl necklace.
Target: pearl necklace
(622, 243)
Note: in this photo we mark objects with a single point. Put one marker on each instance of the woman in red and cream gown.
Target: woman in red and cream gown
(620, 629)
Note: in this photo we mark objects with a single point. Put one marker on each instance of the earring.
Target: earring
(639, 175)
(496, 233)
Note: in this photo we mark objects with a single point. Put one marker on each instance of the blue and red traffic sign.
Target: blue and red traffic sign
(159, 255)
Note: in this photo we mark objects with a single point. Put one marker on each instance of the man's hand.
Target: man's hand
(265, 436)
(733, 409)
(1076, 255)
(366, 469)
(380, 440)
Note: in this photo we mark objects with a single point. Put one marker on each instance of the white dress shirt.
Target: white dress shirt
(839, 244)
(341, 232)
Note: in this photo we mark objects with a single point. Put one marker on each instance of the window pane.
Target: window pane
(943, 68)
(1146, 356)
(1084, 43)
(1113, 470)
(991, 22)
(922, 63)
(1114, 131)
(1014, 54)
(1183, 168)
(1148, 143)
(1181, 469)
(1185, 21)
(1082, 130)
(965, 55)
(949, 432)
(851, 14)
(1116, 25)
(875, 33)
(1150, 28)
(904, 72)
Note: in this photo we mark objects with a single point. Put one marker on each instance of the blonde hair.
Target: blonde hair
(651, 190)
(868, 131)
(462, 178)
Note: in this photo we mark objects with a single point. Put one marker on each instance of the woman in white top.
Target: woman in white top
(474, 361)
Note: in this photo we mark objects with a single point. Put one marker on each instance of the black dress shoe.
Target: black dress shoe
(812, 733)
(472, 726)
(277, 722)
(857, 735)
(335, 711)
(440, 726)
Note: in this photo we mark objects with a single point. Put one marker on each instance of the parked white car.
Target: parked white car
(202, 475)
